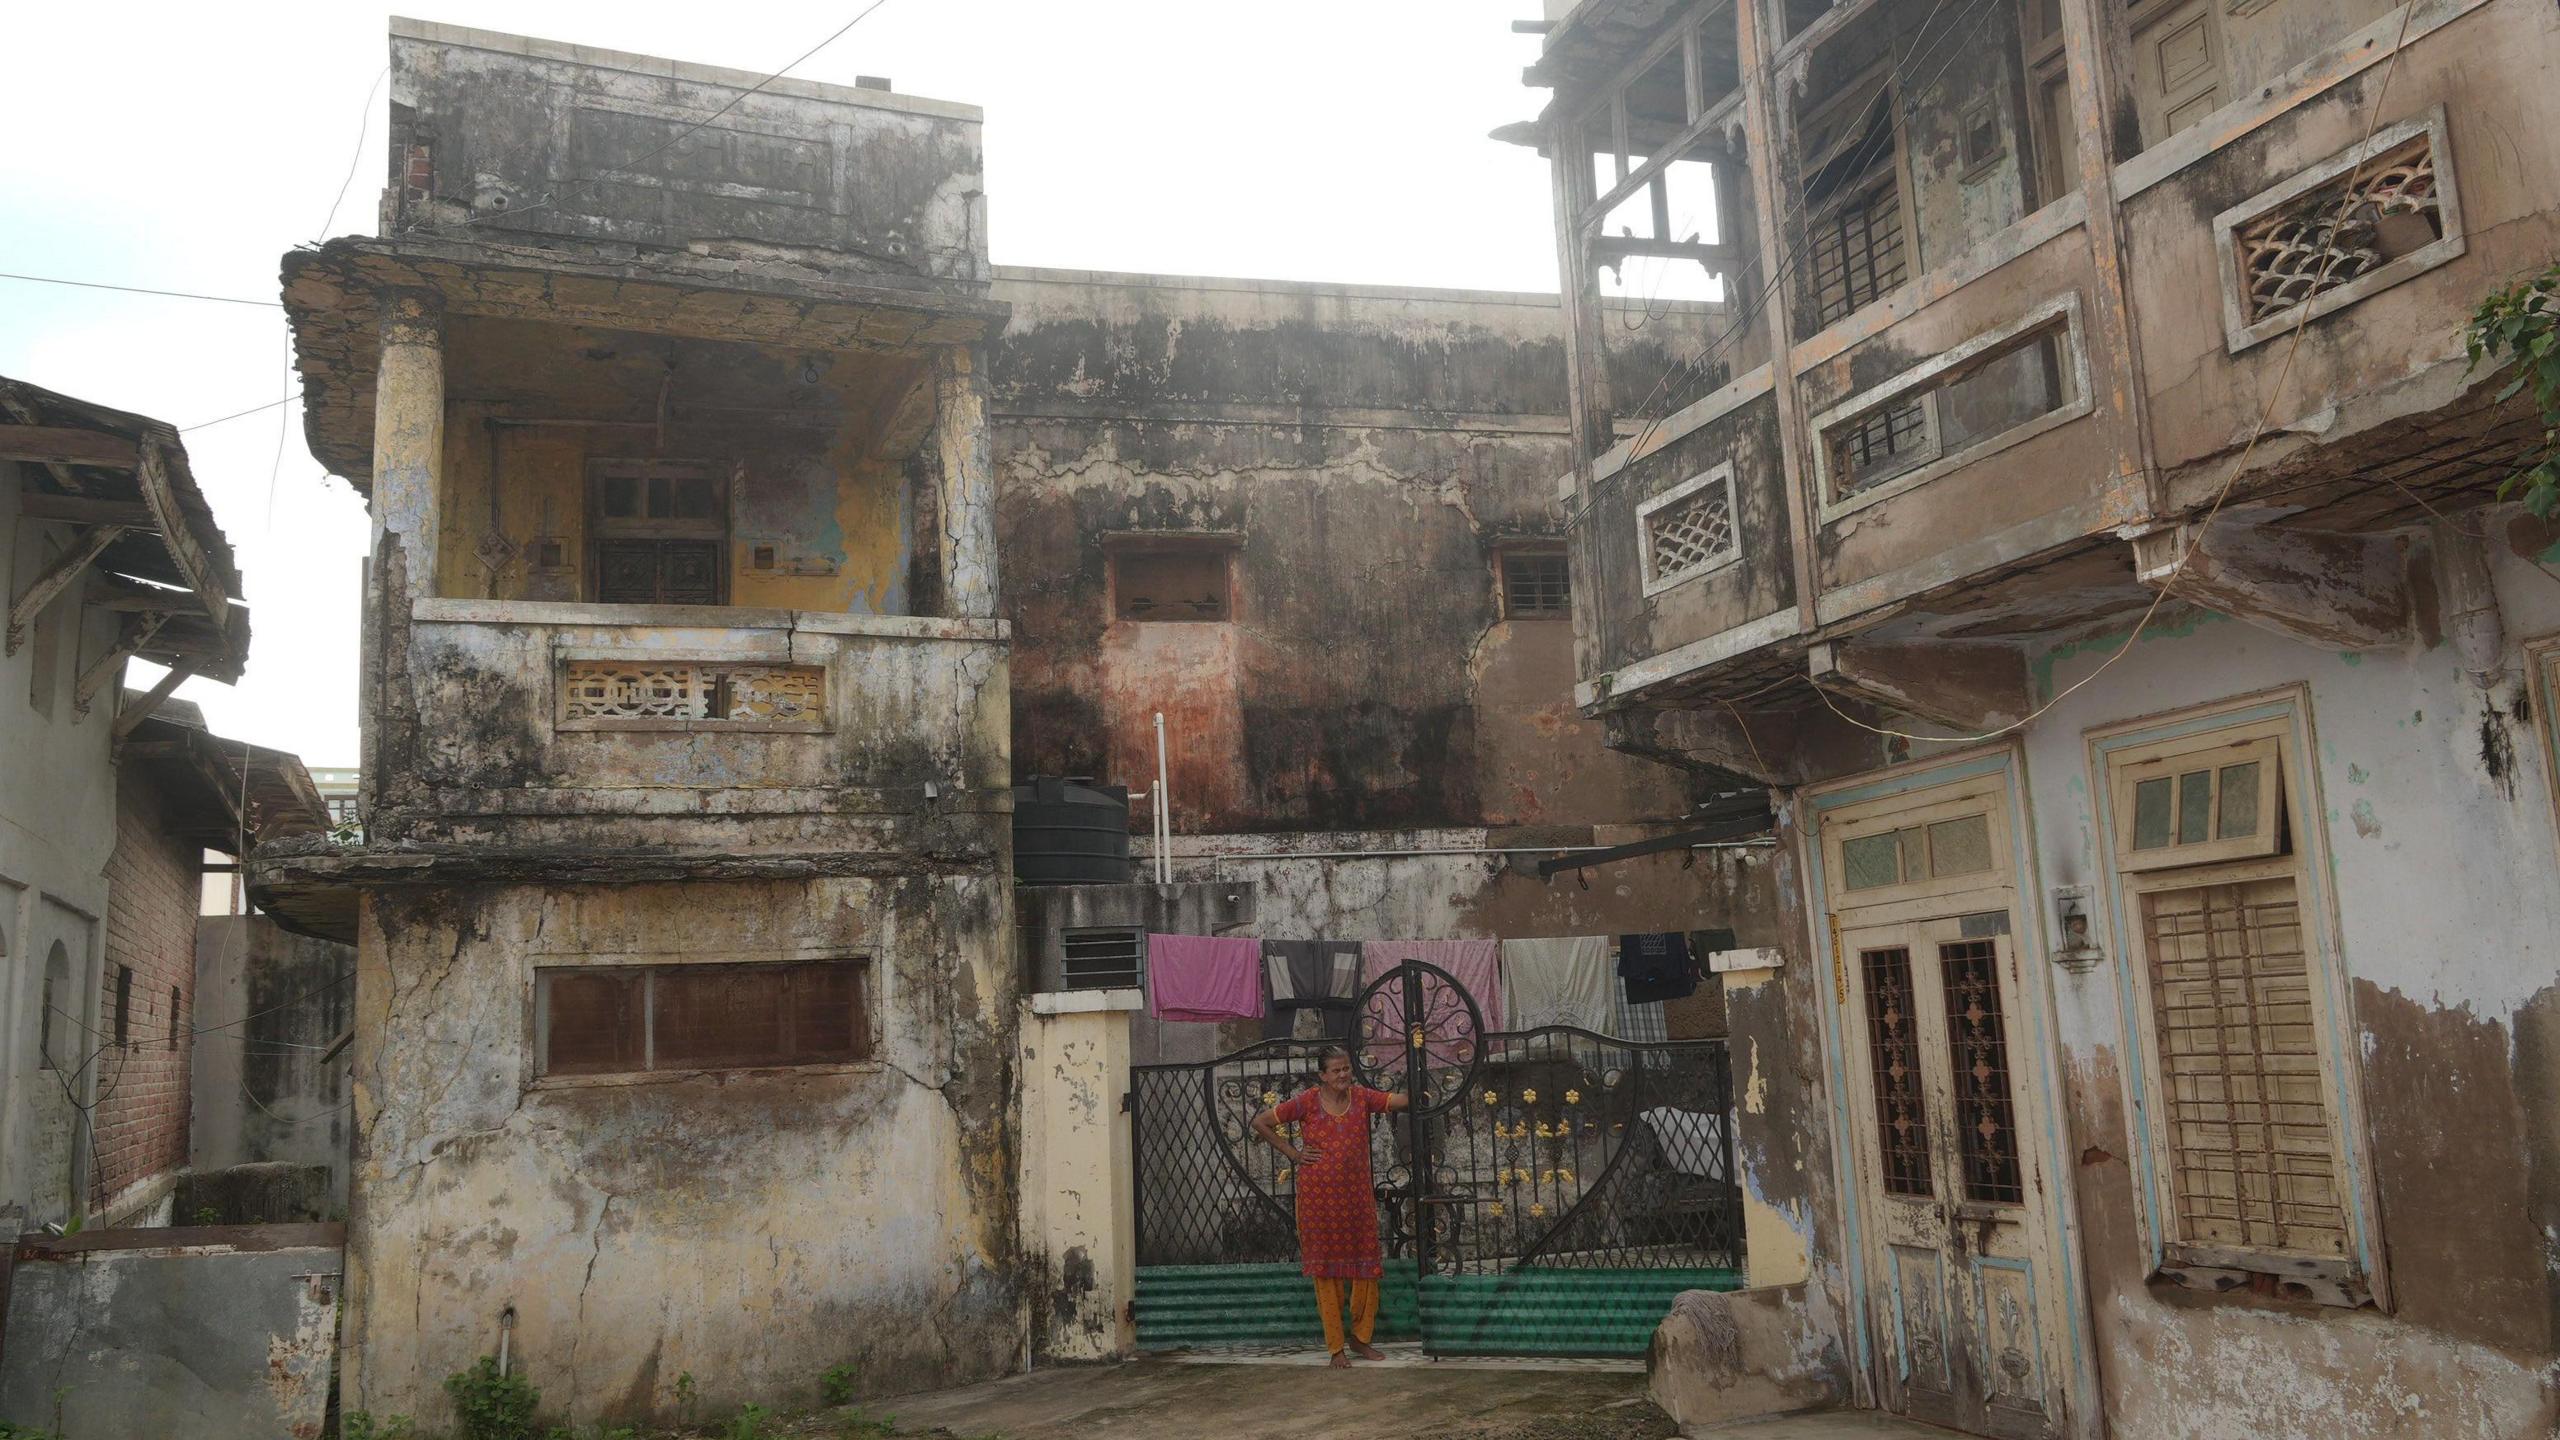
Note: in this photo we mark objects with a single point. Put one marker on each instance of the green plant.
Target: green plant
(836, 1385)
(861, 1425)
(25, 1432)
(748, 1423)
(688, 1395)
(2516, 331)
(491, 1406)
(207, 1215)
(360, 1425)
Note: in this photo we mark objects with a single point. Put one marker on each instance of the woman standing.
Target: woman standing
(1337, 1203)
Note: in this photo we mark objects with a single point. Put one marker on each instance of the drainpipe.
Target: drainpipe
(1163, 811)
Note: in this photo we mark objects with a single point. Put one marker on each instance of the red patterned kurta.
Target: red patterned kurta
(1337, 1205)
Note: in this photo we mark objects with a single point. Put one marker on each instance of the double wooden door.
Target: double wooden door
(1955, 1252)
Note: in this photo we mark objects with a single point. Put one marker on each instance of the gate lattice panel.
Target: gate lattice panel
(1550, 1193)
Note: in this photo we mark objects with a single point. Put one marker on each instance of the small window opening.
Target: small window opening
(176, 1000)
(1103, 959)
(124, 1005)
(1170, 585)
(1536, 585)
(597, 1020)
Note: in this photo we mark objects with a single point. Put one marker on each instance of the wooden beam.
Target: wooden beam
(1973, 685)
(83, 510)
(137, 633)
(2328, 590)
(64, 445)
(56, 578)
(149, 700)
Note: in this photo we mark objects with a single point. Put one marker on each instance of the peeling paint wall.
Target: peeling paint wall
(2438, 825)
(1365, 452)
(1079, 1215)
(750, 1228)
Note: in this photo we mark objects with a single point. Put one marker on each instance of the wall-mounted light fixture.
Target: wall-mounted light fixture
(2075, 944)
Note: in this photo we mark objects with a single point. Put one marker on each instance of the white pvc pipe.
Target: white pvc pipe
(1163, 811)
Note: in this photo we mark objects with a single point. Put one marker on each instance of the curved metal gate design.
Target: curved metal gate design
(1550, 1192)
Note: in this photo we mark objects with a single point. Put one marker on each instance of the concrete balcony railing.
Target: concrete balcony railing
(628, 726)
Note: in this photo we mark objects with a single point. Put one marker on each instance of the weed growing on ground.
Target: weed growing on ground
(360, 1425)
(836, 1385)
(491, 1406)
(861, 1425)
(25, 1432)
(748, 1424)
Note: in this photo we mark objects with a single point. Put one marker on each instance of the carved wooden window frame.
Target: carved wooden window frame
(2360, 1276)
(644, 976)
(2240, 332)
(1970, 800)
(1655, 582)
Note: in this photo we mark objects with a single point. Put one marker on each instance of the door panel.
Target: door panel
(1945, 1171)
(2177, 67)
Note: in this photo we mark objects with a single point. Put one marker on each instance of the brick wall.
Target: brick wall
(141, 1117)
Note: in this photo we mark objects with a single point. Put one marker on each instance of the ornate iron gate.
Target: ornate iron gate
(1549, 1193)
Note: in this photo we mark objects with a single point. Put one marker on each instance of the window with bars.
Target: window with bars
(1852, 180)
(2251, 1151)
(661, 532)
(1103, 959)
(1893, 1045)
(1991, 392)
(1186, 584)
(1536, 584)
(605, 1020)
(1978, 1054)
(1688, 530)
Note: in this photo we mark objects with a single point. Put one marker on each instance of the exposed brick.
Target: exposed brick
(143, 1086)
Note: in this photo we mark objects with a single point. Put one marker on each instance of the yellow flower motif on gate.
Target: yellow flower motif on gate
(1537, 1211)
(1528, 1097)
(1544, 1133)
(1564, 1175)
(1546, 1177)
(1494, 1209)
(1573, 1097)
(1493, 1097)
(1270, 1097)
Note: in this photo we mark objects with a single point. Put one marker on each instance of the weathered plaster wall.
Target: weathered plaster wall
(2438, 822)
(268, 1006)
(57, 830)
(1364, 451)
(1079, 1216)
(752, 1228)
(2490, 69)
(508, 135)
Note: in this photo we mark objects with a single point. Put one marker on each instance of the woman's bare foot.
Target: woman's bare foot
(1340, 1361)
(1365, 1350)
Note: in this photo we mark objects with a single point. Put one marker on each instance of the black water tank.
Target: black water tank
(1070, 832)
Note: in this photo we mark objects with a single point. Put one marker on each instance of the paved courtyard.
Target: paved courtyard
(1293, 1397)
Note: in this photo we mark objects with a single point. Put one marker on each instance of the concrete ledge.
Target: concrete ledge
(1084, 1002)
(705, 617)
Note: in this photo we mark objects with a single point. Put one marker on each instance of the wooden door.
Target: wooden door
(2177, 65)
(1955, 1255)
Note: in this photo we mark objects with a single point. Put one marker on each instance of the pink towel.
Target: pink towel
(1474, 964)
(1204, 977)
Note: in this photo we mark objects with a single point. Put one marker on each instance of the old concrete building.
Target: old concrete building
(683, 1003)
(2090, 537)
(109, 800)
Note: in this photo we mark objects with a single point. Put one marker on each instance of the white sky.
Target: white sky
(186, 147)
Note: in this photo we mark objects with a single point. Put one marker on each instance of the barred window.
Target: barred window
(1852, 187)
(1536, 585)
(2357, 223)
(629, 1020)
(1103, 959)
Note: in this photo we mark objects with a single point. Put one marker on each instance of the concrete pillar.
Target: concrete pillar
(408, 436)
(1079, 1214)
(968, 498)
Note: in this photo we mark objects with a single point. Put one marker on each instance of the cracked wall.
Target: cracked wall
(750, 1228)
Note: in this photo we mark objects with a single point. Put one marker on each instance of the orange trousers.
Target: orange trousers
(1364, 1311)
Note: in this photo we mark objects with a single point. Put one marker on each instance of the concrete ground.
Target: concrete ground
(1292, 1397)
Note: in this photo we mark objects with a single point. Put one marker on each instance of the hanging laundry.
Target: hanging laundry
(1313, 984)
(1204, 977)
(1474, 964)
(1558, 982)
(1644, 1022)
(1656, 967)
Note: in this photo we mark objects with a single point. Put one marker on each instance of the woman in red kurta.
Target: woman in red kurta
(1337, 1203)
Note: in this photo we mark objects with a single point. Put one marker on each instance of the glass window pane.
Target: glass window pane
(622, 497)
(827, 1016)
(1960, 847)
(721, 1016)
(2151, 814)
(2239, 801)
(694, 500)
(661, 497)
(2195, 806)
(1872, 860)
(592, 1023)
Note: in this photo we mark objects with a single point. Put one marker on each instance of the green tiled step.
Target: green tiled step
(1229, 1306)
(1528, 1312)
(1556, 1312)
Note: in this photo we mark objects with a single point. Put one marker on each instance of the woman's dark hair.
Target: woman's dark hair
(1327, 1055)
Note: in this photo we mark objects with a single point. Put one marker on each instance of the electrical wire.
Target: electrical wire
(236, 414)
(139, 290)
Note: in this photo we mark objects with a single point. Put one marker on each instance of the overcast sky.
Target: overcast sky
(186, 147)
